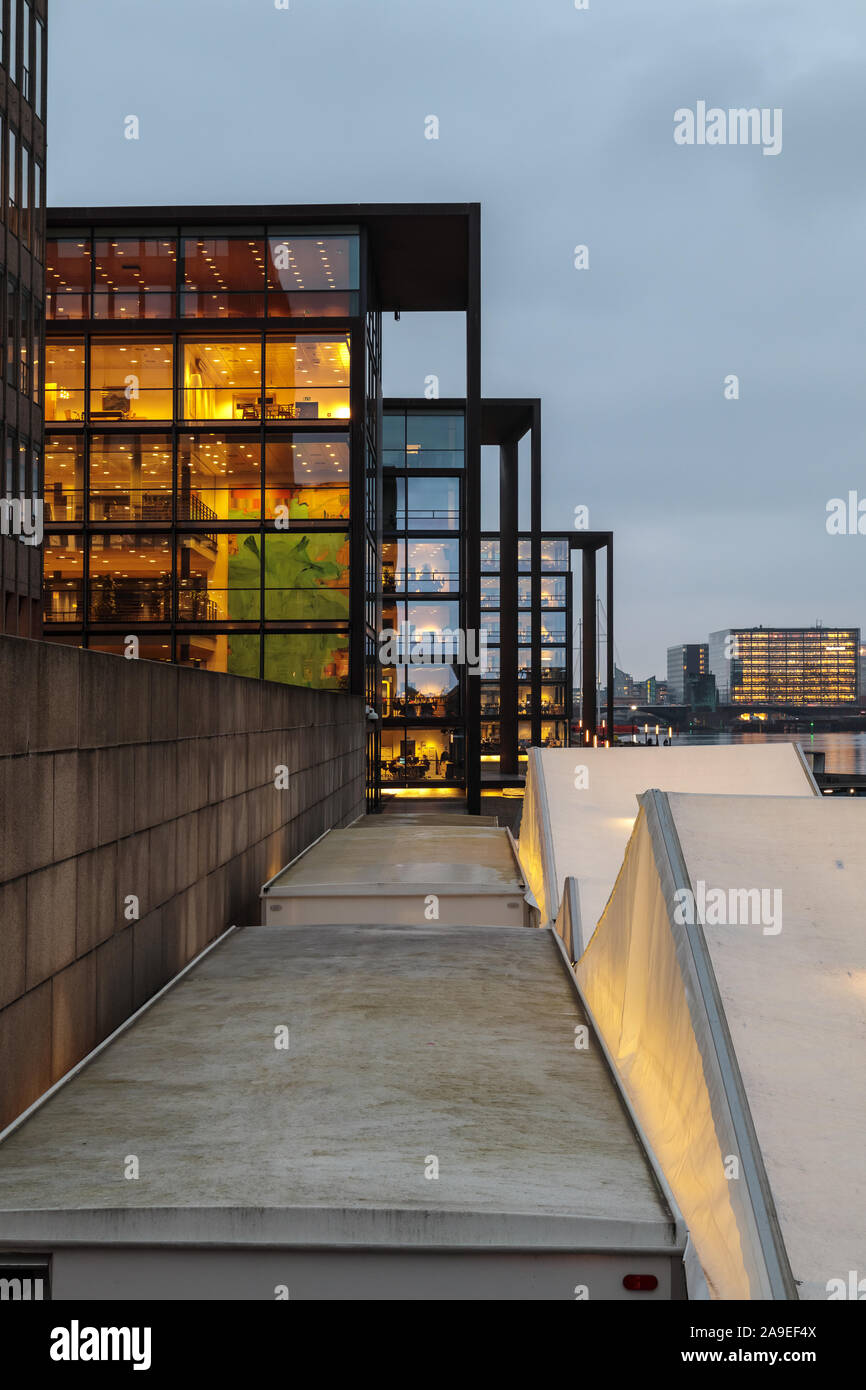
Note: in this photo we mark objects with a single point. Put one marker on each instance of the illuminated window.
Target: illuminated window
(64, 379)
(67, 278)
(222, 379)
(130, 477)
(130, 578)
(63, 578)
(219, 577)
(223, 277)
(307, 378)
(64, 478)
(131, 380)
(307, 477)
(219, 477)
(314, 276)
(134, 277)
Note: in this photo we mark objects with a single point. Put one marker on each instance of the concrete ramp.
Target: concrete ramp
(580, 806)
(727, 978)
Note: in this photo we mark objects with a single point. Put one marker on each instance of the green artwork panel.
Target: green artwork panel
(244, 578)
(307, 576)
(243, 655)
(315, 659)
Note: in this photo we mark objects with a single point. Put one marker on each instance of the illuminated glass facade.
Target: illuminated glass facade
(423, 694)
(209, 437)
(22, 246)
(786, 666)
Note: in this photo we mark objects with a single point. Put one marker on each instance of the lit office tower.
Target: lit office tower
(22, 194)
(786, 666)
(688, 660)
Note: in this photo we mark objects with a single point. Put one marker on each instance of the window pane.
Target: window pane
(434, 441)
(307, 476)
(552, 627)
(433, 504)
(315, 659)
(130, 578)
(307, 576)
(63, 582)
(234, 653)
(218, 478)
(135, 278)
(131, 380)
(431, 692)
(489, 556)
(67, 278)
(219, 578)
(64, 380)
(432, 566)
(490, 593)
(64, 478)
(224, 277)
(130, 477)
(394, 435)
(222, 380)
(554, 555)
(553, 593)
(150, 647)
(314, 276)
(422, 755)
(307, 378)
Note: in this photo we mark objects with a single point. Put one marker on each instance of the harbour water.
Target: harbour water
(845, 752)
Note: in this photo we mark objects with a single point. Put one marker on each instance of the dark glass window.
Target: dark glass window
(434, 441)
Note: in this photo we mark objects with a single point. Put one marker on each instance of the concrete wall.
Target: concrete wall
(122, 778)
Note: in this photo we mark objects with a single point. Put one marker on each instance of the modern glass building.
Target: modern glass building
(225, 487)
(785, 666)
(22, 199)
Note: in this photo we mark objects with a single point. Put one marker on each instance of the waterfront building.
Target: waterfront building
(216, 452)
(688, 659)
(786, 666)
(22, 242)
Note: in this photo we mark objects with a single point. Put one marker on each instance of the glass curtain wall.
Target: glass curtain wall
(422, 681)
(198, 477)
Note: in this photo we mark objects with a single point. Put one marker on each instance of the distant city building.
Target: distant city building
(700, 692)
(862, 690)
(785, 666)
(688, 659)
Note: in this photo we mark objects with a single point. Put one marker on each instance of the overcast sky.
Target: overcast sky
(704, 261)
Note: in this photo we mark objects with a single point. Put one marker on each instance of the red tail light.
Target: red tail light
(640, 1283)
